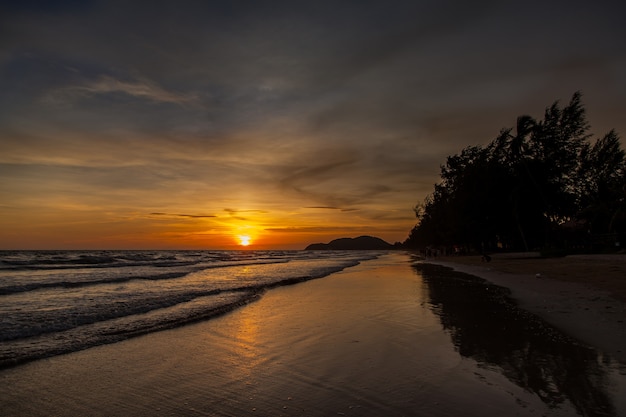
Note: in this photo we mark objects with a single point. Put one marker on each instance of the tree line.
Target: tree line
(544, 184)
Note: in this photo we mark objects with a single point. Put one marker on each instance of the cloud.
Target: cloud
(316, 229)
(141, 88)
(319, 165)
(190, 216)
(323, 207)
(234, 212)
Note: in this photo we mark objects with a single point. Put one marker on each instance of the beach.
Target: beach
(583, 295)
(380, 338)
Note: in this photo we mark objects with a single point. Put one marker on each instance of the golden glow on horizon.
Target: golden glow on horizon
(264, 228)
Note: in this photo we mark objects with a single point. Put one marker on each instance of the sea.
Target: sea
(57, 302)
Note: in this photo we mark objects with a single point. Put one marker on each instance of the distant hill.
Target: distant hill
(357, 243)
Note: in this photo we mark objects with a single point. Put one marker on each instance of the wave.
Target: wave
(61, 317)
(75, 260)
(118, 329)
(90, 280)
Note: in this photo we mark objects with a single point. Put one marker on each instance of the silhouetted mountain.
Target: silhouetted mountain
(358, 243)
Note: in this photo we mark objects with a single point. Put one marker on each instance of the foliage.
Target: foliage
(540, 185)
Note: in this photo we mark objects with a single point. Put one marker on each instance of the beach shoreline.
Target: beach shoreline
(379, 338)
(582, 295)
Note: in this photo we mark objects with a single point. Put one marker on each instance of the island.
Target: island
(357, 243)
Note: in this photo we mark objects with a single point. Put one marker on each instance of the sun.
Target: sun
(244, 240)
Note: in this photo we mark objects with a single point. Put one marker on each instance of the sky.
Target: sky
(199, 124)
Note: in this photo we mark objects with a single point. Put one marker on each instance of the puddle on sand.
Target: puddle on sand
(486, 325)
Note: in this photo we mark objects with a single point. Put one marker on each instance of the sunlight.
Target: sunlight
(244, 240)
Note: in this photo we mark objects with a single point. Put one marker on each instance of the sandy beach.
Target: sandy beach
(583, 295)
(376, 339)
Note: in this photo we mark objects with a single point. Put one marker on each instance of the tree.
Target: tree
(556, 144)
(512, 151)
(526, 185)
(602, 179)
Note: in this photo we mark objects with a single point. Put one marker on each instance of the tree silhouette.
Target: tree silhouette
(602, 184)
(528, 186)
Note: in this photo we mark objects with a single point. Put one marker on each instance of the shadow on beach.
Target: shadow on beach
(486, 325)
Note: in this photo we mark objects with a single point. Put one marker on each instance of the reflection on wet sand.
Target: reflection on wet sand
(486, 325)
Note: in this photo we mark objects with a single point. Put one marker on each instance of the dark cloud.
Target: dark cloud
(189, 216)
(316, 229)
(233, 211)
(332, 208)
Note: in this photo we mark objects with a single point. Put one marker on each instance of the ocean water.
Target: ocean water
(55, 302)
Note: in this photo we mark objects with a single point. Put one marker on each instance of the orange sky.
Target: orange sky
(123, 228)
(188, 124)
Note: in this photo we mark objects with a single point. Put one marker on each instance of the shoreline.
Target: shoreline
(592, 310)
(375, 339)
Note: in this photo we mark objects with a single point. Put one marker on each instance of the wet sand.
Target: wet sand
(377, 339)
(583, 295)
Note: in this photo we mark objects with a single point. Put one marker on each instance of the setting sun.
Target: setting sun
(244, 240)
